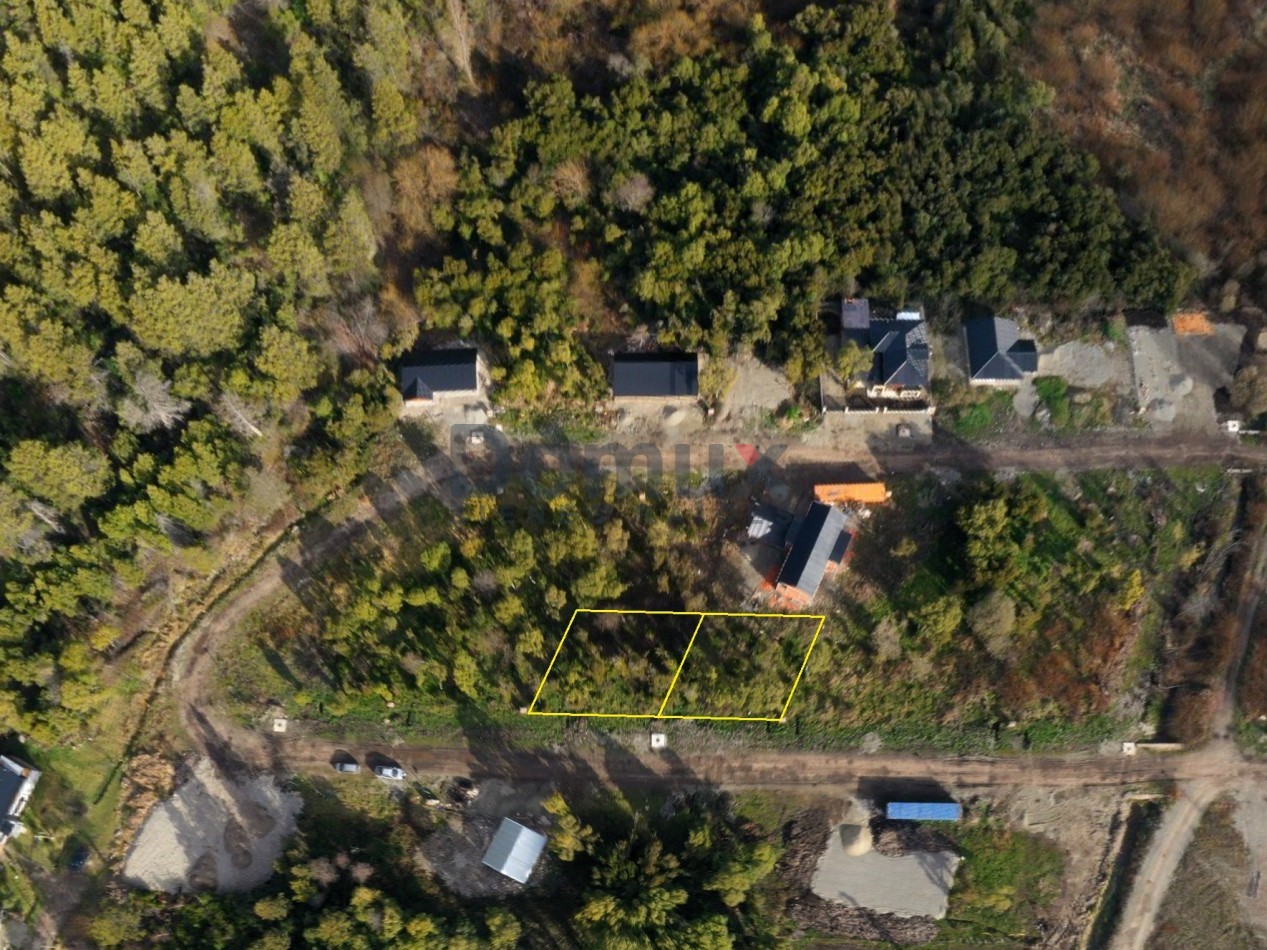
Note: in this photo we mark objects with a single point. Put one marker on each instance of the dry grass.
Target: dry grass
(1170, 98)
(1203, 906)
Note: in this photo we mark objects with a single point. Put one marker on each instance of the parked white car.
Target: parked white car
(389, 771)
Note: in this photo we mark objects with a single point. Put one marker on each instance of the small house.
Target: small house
(923, 811)
(820, 546)
(900, 352)
(17, 782)
(997, 355)
(514, 850)
(655, 376)
(428, 376)
(853, 493)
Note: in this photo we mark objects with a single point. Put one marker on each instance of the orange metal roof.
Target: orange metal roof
(1192, 323)
(864, 493)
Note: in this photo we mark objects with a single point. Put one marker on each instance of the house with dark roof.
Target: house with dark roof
(821, 544)
(899, 348)
(655, 376)
(428, 376)
(997, 355)
(17, 782)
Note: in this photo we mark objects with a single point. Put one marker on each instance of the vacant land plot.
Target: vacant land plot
(615, 664)
(1205, 904)
(1176, 376)
(909, 885)
(743, 666)
(646, 665)
(215, 833)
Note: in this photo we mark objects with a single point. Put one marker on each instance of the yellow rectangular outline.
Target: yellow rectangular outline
(703, 615)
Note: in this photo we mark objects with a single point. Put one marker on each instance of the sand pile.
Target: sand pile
(214, 833)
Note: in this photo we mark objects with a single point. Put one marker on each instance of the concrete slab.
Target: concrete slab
(914, 885)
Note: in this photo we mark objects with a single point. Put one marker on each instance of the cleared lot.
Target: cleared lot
(1176, 376)
(214, 833)
(912, 885)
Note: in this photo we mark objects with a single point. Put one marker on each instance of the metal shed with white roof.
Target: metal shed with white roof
(514, 850)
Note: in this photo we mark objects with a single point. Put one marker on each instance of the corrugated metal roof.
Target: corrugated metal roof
(863, 493)
(811, 552)
(655, 374)
(769, 525)
(923, 811)
(514, 850)
(996, 352)
(432, 372)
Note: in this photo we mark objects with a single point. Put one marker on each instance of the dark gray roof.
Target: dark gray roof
(769, 525)
(514, 850)
(16, 779)
(841, 549)
(816, 541)
(655, 374)
(996, 351)
(429, 372)
(855, 313)
(901, 352)
(900, 348)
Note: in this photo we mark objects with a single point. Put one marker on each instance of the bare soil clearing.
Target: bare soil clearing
(911, 885)
(1176, 376)
(454, 853)
(214, 833)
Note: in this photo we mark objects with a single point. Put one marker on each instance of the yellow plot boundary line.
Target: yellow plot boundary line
(702, 615)
(682, 663)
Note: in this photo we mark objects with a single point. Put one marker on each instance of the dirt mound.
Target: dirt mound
(896, 839)
(804, 841)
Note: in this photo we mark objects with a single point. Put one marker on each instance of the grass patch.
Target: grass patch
(556, 424)
(1070, 410)
(972, 413)
(1053, 393)
(1006, 879)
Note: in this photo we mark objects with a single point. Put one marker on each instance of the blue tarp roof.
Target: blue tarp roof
(923, 811)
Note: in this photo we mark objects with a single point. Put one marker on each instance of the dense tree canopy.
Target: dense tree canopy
(173, 206)
(725, 197)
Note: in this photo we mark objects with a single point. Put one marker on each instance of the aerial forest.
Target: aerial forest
(221, 223)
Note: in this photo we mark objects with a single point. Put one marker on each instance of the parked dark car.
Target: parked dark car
(79, 858)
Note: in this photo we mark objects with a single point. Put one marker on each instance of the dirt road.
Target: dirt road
(788, 769)
(1196, 793)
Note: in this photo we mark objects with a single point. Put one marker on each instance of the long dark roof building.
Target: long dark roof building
(432, 373)
(662, 375)
(996, 352)
(821, 540)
